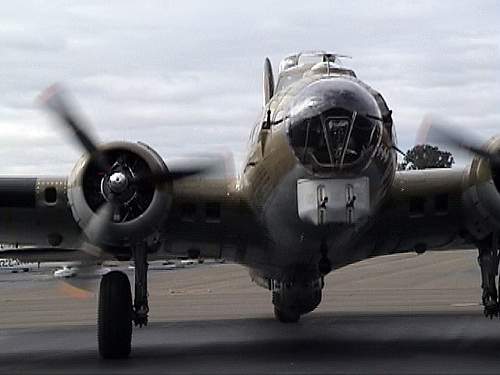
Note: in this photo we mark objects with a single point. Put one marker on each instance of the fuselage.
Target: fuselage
(323, 135)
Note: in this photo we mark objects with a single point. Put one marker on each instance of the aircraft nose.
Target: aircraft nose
(334, 124)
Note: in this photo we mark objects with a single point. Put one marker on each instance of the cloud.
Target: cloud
(186, 76)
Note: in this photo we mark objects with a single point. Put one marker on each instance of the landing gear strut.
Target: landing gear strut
(141, 307)
(488, 262)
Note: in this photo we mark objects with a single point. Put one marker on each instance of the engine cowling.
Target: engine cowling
(139, 206)
(482, 196)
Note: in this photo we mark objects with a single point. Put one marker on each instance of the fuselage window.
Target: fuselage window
(441, 203)
(50, 195)
(212, 212)
(188, 212)
(417, 206)
(287, 78)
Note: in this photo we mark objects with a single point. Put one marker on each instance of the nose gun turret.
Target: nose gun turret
(335, 125)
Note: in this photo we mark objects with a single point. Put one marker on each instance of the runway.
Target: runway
(398, 314)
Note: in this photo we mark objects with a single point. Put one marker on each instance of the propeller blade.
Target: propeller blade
(55, 99)
(158, 178)
(96, 228)
(84, 283)
(69, 289)
(436, 130)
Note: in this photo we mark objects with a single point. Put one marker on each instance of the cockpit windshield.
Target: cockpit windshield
(305, 58)
(294, 67)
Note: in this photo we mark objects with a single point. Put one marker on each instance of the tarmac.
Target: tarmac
(397, 314)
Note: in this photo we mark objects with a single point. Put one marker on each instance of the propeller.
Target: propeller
(438, 130)
(173, 174)
(121, 189)
(123, 182)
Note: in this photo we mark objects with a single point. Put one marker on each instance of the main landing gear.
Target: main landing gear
(114, 316)
(488, 262)
(116, 313)
(141, 308)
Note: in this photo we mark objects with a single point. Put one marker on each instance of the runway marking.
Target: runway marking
(465, 304)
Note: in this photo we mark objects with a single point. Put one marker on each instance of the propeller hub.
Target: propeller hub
(118, 182)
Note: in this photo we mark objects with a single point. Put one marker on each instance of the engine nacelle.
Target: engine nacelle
(482, 196)
(140, 207)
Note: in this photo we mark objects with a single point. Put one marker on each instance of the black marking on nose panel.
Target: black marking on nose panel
(18, 192)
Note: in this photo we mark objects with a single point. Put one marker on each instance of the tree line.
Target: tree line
(426, 156)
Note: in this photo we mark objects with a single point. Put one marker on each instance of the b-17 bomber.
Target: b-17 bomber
(319, 190)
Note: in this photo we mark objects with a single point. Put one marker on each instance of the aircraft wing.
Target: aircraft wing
(35, 211)
(210, 218)
(434, 209)
(207, 216)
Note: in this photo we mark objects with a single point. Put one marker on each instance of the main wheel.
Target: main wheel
(286, 316)
(114, 316)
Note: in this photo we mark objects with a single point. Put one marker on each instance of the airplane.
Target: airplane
(319, 190)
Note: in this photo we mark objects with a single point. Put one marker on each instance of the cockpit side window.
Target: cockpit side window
(254, 132)
(295, 67)
(288, 77)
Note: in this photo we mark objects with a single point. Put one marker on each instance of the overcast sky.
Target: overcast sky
(186, 76)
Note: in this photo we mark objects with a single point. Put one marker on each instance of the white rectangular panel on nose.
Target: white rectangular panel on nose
(325, 201)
